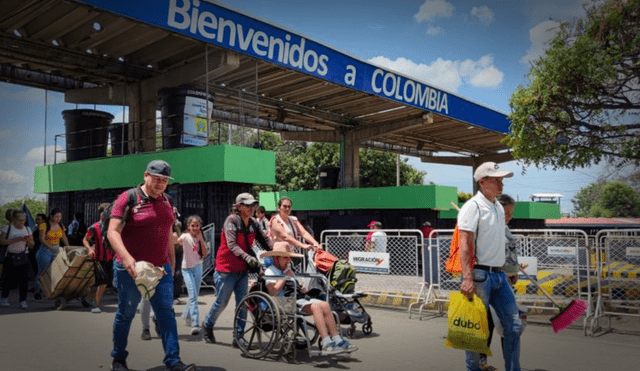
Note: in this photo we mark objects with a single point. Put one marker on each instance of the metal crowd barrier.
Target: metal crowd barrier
(617, 262)
(404, 247)
(209, 263)
(560, 261)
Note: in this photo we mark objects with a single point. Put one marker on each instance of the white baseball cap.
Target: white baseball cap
(491, 169)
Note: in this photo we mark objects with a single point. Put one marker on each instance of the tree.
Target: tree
(583, 102)
(35, 206)
(584, 200)
(297, 165)
(607, 199)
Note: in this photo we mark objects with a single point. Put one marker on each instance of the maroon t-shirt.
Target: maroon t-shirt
(148, 228)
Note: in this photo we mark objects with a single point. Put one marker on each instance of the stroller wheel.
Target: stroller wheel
(351, 331)
(367, 328)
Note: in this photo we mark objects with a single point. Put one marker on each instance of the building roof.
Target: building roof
(72, 46)
(594, 222)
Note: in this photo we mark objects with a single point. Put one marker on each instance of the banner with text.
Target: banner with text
(370, 262)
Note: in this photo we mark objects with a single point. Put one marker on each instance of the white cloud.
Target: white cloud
(483, 13)
(540, 36)
(447, 74)
(37, 155)
(430, 10)
(434, 30)
(11, 177)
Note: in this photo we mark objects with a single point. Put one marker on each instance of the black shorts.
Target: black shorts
(103, 272)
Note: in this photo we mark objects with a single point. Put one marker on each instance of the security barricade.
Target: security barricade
(209, 263)
(617, 261)
(557, 259)
(393, 266)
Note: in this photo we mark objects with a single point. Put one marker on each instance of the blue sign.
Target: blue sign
(220, 26)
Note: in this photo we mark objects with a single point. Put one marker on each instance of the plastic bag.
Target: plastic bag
(467, 324)
(148, 278)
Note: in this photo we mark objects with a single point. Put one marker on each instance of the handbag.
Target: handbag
(19, 259)
(467, 324)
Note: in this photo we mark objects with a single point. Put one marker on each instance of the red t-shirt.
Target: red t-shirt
(102, 254)
(148, 228)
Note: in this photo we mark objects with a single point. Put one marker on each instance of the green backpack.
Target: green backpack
(343, 276)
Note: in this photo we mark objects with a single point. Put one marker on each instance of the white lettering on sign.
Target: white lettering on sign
(561, 250)
(187, 15)
(633, 252)
(405, 90)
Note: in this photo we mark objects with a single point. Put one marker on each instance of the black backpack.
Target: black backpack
(135, 197)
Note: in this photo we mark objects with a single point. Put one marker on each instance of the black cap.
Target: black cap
(159, 168)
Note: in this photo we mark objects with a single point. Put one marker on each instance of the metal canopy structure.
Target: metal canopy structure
(110, 52)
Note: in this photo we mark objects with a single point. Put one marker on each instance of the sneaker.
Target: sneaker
(195, 330)
(177, 301)
(208, 334)
(24, 305)
(331, 348)
(37, 296)
(146, 334)
(119, 365)
(5, 302)
(347, 346)
(240, 342)
(96, 310)
(182, 367)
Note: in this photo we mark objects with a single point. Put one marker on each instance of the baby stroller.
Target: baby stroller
(342, 296)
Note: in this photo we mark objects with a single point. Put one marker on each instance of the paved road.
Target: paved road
(75, 339)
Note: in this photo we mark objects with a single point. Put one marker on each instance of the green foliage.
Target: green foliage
(607, 199)
(586, 198)
(464, 197)
(619, 199)
(581, 106)
(297, 165)
(35, 206)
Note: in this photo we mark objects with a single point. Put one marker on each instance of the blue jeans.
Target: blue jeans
(494, 289)
(44, 257)
(227, 283)
(162, 303)
(192, 279)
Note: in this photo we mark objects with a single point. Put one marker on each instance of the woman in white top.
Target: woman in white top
(195, 250)
(16, 264)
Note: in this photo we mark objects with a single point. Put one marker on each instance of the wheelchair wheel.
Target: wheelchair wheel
(262, 324)
(351, 331)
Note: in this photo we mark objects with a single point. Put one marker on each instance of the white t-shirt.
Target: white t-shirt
(20, 246)
(190, 257)
(274, 271)
(379, 239)
(487, 218)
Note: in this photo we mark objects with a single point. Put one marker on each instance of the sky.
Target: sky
(478, 50)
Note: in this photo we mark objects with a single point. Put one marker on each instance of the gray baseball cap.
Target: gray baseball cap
(246, 199)
(159, 168)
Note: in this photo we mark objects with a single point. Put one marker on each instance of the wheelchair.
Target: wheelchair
(274, 326)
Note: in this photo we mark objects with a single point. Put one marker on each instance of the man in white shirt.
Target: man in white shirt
(481, 224)
(378, 241)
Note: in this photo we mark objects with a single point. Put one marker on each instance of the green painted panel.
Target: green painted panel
(407, 197)
(523, 210)
(223, 163)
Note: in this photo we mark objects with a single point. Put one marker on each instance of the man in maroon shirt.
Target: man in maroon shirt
(144, 234)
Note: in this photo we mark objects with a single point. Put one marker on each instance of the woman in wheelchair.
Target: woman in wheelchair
(332, 342)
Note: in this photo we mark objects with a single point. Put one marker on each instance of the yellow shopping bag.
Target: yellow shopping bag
(468, 325)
